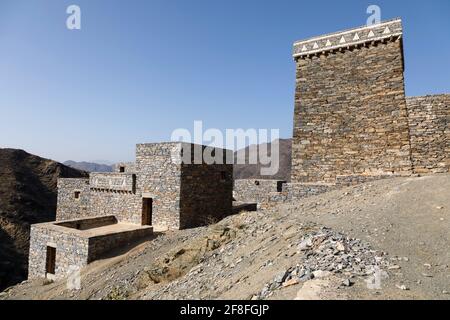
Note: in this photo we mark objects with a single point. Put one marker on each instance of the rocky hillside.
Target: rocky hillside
(27, 196)
(387, 239)
(89, 166)
(247, 171)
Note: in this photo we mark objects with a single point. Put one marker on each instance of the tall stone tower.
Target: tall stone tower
(350, 119)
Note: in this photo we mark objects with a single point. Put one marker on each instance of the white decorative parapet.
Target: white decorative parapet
(346, 39)
(113, 181)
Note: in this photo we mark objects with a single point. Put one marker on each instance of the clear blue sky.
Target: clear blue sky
(137, 70)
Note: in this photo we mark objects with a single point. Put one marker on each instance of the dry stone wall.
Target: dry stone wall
(70, 205)
(100, 245)
(159, 178)
(429, 119)
(206, 193)
(256, 190)
(71, 250)
(125, 167)
(124, 205)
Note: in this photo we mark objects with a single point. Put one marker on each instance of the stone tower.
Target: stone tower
(350, 118)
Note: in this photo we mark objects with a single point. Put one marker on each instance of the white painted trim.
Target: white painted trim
(345, 32)
(326, 49)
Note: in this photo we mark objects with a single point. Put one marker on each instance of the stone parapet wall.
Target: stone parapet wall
(90, 223)
(255, 190)
(68, 206)
(100, 245)
(113, 181)
(128, 167)
(429, 119)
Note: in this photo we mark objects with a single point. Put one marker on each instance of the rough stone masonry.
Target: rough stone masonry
(350, 110)
(352, 120)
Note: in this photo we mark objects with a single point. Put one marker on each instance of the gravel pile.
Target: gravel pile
(327, 252)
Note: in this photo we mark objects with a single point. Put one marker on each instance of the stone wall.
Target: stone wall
(159, 178)
(68, 206)
(296, 191)
(101, 245)
(350, 114)
(429, 119)
(127, 167)
(126, 206)
(206, 194)
(256, 190)
(86, 224)
(115, 194)
(71, 250)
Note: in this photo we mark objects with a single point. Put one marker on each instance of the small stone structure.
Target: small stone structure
(168, 187)
(57, 248)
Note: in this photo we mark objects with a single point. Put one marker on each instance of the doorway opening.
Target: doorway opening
(50, 261)
(147, 210)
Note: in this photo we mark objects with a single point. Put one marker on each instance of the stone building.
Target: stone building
(350, 115)
(352, 121)
(176, 191)
(169, 186)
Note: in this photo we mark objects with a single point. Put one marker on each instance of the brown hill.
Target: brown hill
(27, 196)
(250, 171)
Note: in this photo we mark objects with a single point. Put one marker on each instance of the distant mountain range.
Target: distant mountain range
(27, 196)
(89, 166)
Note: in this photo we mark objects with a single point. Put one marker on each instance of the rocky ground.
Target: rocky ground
(387, 239)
